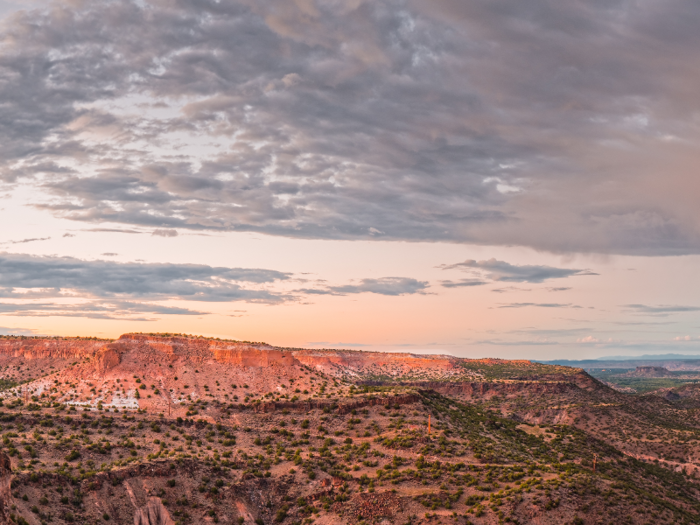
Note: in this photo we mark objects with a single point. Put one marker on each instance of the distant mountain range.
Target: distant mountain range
(670, 361)
(654, 357)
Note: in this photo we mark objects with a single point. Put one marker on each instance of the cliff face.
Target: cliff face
(153, 513)
(254, 357)
(108, 357)
(109, 354)
(231, 353)
(260, 355)
(168, 373)
(49, 348)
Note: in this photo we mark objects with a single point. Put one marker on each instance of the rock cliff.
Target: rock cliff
(153, 513)
(49, 348)
(166, 373)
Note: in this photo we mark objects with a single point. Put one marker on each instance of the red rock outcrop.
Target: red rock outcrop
(153, 513)
(108, 357)
(226, 352)
(254, 357)
(50, 348)
(109, 354)
(166, 373)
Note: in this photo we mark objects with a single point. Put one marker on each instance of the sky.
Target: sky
(468, 177)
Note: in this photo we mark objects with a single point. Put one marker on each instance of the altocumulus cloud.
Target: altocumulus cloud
(506, 272)
(453, 120)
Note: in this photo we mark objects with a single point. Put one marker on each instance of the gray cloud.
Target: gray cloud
(544, 125)
(660, 310)
(547, 333)
(110, 230)
(540, 305)
(126, 310)
(508, 289)
(25, 241)
(165, 233)
(498, 342)
(18, 331)
(36, 286)
(382, 286)
(462, 283)
(335, 345)
(105, 279)
(642, 323)
(506, 272)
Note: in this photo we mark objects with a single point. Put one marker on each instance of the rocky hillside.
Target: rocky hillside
(166, 373)
(165, 429)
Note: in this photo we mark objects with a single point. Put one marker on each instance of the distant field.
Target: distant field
(641, 384)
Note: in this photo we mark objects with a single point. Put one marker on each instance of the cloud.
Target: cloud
(327, 344)
(539, 305)
(25, 241)
(462, 282)
(471, 122)
(392, 286)
(156, 281)
(383, 286)
(558, 288)
(508, 289)
(589, 339)
(165, 233)
(36, 286)
(660, 310)
(686, 338)
(111, 310)
(505, 272)
(642, 323)
(111, 230)
(499, 342)
(18, 331)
